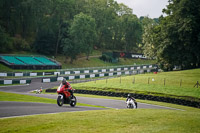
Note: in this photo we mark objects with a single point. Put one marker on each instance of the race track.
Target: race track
(13, 109)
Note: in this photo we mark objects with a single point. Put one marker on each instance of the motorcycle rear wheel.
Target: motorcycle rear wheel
(60, 101)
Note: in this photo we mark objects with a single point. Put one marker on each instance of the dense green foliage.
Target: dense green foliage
(67, 27)
(54, 27)
(175, 41)
(83, 36)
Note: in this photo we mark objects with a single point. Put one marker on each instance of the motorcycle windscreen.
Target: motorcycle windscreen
(58, 89)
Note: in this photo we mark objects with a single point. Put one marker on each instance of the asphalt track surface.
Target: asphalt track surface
(14, 109)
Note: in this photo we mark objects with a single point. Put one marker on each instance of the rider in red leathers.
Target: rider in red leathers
(68, 87)
(65, 94)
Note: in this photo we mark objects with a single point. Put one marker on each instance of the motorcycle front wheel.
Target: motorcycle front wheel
(130, 106)
(73, 102)
(60, 101)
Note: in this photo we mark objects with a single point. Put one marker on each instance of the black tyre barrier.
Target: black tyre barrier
(138, 96)
(50, 90)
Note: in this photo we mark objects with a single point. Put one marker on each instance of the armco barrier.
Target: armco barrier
(93, 75)
(15, 81)
(78, 71)
(138, 96)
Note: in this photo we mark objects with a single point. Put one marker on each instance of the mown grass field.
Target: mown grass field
(107, 121)
(103, 121)
(174, 84)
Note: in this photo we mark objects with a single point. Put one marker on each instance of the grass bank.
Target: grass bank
(81, 62)
(96, 62)
(179, 84)
(104, 121)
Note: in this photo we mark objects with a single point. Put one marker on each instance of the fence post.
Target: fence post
(181, 83)
(164, 81)
(197, 84)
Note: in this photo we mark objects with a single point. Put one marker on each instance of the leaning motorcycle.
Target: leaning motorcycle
(131, 104)
(65, 98)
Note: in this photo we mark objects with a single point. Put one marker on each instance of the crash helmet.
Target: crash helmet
(64, 81)
(129, 95)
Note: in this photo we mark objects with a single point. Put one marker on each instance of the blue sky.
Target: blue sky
(152, 8)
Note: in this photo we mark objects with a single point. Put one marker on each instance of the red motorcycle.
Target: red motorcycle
(65, 97)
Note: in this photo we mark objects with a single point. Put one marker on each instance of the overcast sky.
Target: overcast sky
(152, 8)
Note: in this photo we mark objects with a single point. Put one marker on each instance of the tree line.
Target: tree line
(71, 27)
(175, 40)
(68, 27)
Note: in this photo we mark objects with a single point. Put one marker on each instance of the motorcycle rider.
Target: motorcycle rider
(130, 97)
(67, 87)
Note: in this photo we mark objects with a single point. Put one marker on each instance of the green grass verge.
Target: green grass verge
(152, 84)
(4, 68)
(104, 121)
(12, 84)
(5, 96)
(96, 62)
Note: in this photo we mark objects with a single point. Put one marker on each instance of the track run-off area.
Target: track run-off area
(16, 109)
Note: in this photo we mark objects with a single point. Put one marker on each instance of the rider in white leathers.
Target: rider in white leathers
(131, 102)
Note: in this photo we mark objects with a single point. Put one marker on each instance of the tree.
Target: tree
(70, 49)
(83, 32)
(150, 30)
(62, 11)
(5, 41)
(176, 38)
(118, 24)
(132, 32)
(183, 31)
(45, 44)
(30, 22)
(105, 13)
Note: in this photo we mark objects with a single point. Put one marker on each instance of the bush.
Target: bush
(6, 42)
(45, 44)
(21, 44)
(106, 58)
